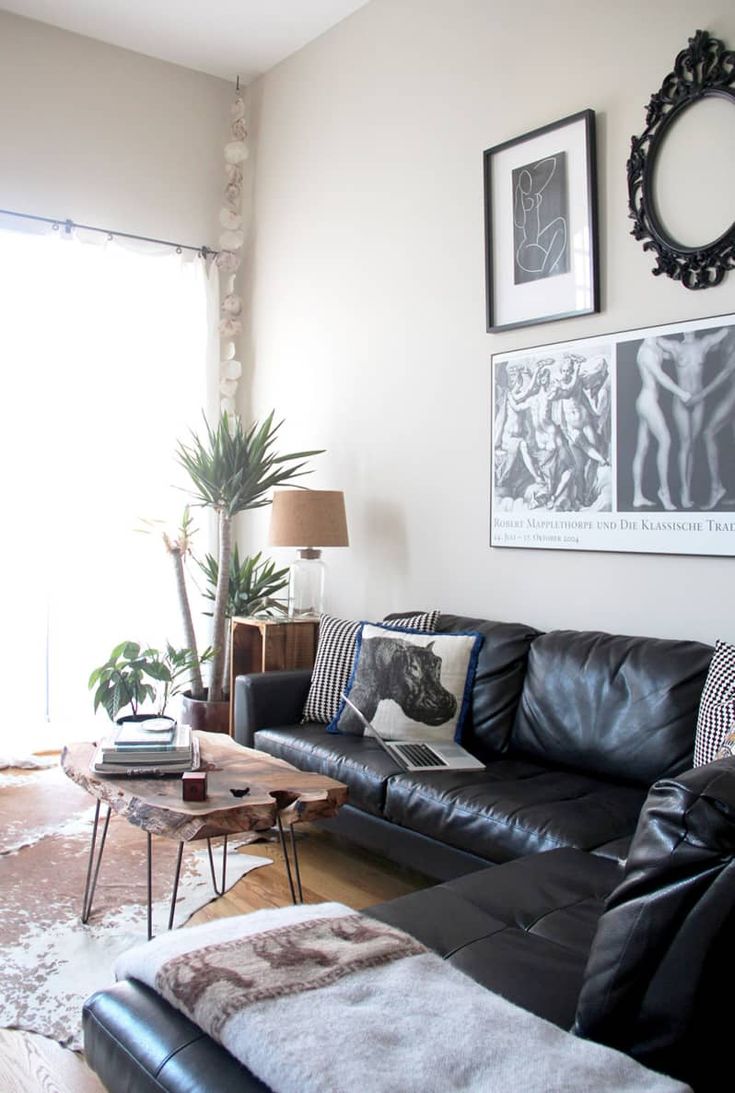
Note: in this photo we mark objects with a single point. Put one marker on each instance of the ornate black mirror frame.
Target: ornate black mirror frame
(704, 69)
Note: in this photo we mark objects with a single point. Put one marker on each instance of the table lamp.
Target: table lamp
(308, 519)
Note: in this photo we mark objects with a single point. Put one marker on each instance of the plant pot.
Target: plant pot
(205, 716)
(145, 717)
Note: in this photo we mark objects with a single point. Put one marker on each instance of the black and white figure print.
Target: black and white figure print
(676, 422)
(552, 433)
(540, 219)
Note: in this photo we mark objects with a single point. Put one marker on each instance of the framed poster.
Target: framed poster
(620, 442)
(541, 225)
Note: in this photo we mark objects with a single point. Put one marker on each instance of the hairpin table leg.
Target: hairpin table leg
(91, 881)
(297, 891)
(176, 886)
(150, 884)
(221, 890)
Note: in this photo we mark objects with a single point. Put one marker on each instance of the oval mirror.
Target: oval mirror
(681, 168)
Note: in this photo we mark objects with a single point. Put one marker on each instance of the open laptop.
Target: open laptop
(421, 754)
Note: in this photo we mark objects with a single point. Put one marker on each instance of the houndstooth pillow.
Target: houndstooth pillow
(335, 654)
(717, 705)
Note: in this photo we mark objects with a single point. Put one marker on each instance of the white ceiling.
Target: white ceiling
(225, 38)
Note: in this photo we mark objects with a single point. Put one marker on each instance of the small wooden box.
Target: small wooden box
(194, 785)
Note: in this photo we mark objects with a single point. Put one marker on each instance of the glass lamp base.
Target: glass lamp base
(306, 585)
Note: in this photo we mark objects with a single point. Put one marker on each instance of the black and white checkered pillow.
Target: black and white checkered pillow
(717, 705)
(335, 654)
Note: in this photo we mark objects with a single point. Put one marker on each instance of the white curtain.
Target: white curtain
(104, 364)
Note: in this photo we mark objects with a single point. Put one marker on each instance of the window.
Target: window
(103, 366)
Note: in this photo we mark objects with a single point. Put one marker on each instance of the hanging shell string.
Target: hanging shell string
(229, 258)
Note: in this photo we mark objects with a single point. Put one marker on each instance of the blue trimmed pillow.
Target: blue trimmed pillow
(335, 657)
(410, 685)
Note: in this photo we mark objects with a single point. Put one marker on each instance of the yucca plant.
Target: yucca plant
(253, 584)
(252, 588)
(233, 470)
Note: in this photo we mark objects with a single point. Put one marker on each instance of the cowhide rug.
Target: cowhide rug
(49, 961)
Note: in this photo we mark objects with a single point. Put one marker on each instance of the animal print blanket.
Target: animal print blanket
(321, 999)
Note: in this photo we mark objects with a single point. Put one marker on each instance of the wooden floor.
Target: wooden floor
(331, 869)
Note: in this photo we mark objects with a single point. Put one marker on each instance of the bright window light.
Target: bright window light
(102, 368)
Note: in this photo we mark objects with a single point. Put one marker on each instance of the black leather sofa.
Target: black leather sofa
(574, 727)
(636, 956)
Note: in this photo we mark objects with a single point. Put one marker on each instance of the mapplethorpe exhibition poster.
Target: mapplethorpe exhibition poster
(619, 442)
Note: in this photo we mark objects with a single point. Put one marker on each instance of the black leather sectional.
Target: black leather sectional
(629, 944)
(574, 727)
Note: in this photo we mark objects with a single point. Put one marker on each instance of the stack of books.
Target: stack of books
(158, 745)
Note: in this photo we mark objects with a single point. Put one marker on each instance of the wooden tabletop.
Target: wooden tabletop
(155, 804)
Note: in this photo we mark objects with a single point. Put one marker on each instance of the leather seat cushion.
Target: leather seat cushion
(358, 762)
(523, 929)
(513, 808)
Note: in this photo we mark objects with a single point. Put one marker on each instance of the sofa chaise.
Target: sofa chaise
(638, 957)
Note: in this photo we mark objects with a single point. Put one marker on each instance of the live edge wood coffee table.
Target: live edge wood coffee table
(277, 794)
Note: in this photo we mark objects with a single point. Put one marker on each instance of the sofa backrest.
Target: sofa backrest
(619, 707)
(661, 967)
(501, 669)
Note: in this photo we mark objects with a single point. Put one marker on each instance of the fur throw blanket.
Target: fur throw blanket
(321, 999)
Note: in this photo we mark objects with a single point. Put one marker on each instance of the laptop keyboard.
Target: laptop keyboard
(420, 755)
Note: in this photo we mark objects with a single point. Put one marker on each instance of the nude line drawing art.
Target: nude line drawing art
(540, 219)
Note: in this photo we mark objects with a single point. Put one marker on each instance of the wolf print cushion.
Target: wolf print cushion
(716, 719)
(408, 685)
(335, 655)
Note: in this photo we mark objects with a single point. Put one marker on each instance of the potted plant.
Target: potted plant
(133, 675)
(231, 470)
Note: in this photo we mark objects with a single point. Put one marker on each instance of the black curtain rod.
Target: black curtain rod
(69, 225)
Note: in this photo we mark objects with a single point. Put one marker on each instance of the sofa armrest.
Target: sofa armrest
(265, 700)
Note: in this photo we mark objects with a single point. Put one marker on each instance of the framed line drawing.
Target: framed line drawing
(620, 442)
(541, 225)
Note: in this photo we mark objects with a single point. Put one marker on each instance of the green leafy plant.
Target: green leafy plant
(253, 584)
(232, 470)
(133, 675)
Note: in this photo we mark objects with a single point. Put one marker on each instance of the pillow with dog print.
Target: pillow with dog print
(408, 685)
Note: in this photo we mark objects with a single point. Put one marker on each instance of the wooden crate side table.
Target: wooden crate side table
(268, 645)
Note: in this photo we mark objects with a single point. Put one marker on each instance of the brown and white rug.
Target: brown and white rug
(49, 961)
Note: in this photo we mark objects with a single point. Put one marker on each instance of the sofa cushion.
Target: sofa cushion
(335, 655)
(621, 707)
(513, 808)
(716, 718)
(501, 667)
(523, 929)
(409, 685)
(359, 763)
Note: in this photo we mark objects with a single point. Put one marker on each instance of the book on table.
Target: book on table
(135, 764)
(153, 752)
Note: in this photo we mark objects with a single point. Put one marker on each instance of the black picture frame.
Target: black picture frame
(704, 70)
(541, 233)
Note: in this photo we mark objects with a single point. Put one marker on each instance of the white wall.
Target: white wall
(368, 328)
(108, 137)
